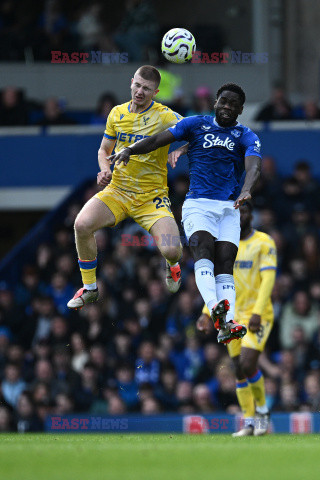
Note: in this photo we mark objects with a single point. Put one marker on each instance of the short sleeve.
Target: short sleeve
(171, 118)
(268, 256)
(110, 130)
(182, 129)
(251, 144)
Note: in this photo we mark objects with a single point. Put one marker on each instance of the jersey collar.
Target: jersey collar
(217, 124)
(144, 111)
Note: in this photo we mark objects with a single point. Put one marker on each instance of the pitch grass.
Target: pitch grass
(158, 457)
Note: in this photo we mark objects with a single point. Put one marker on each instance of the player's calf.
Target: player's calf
(173, 277)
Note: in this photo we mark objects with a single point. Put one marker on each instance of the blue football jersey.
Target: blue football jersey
(216, 156)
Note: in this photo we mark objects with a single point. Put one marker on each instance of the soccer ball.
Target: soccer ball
(178, 45)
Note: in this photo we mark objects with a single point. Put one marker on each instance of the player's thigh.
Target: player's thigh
(149, 208)
(229, 225)
(249, 360)
(199, 215)
(94, 215)
(118, 202)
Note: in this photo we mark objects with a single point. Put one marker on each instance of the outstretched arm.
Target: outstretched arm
(143, 146)
(174, 156)
(253, 169)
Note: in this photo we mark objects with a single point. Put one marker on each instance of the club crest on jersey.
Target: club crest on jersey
(188, 225)
(212, 140)
(121, 116)
(145, 119)
(205, 127)
(257, 146)
(235, 133)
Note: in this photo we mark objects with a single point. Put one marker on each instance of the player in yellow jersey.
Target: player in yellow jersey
(254, 275)
(138, 191)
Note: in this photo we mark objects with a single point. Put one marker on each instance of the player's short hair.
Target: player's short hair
(232, 87)
(148, 72)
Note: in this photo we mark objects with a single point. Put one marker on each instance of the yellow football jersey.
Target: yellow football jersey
(256, 253)
(143, 173)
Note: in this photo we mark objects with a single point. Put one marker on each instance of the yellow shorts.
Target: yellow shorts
(256, 341)
(143, 208)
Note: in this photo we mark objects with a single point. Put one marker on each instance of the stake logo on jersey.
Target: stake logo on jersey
(144, 173)
(216, 156)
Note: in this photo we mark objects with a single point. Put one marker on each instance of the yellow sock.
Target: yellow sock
(245, 398)
(88, 270)
(257, 387)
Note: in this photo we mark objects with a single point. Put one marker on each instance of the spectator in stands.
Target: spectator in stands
(95, 329)
(202, 399)
(203, 102)
(150, 406)
(147, 366)
(80, 355)
(59, 289)
(59, 334)
(298, 312)
(127, 386)
(31, 286)
(312, 390)
(64, 404)
(309, 110)
(6, 423)
(26, 419)
(88, 26)
(138, 30)
(309, 186)
(105, 104)
(43, 373)
(278, 108)
(289, 399)
(53, 114)
(184, 392)
(98, 358)
(13, 109)
(88, 391)
(39, 322)
(166, 391)
(12, 386)
(116, 405)
(271, 389)
(182, 319)
(212, 355)
(66, 380)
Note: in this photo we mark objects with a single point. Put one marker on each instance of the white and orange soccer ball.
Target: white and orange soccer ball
(178, 45)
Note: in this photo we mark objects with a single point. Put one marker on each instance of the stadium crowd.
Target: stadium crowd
(137, 349)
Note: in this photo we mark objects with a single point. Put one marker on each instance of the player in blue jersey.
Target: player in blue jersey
(222, 153)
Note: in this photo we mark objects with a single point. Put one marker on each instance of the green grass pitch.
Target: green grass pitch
(163, 457)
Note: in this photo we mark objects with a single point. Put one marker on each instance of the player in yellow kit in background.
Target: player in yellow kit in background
(138, 190)
(254, 274)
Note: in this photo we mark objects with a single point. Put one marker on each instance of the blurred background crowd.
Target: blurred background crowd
(137, 349)
(16, 109)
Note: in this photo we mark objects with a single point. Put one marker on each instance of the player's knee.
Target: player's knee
(224, 266)
(247, 367)
(200, 252)
(82, 227)
(172, 252)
